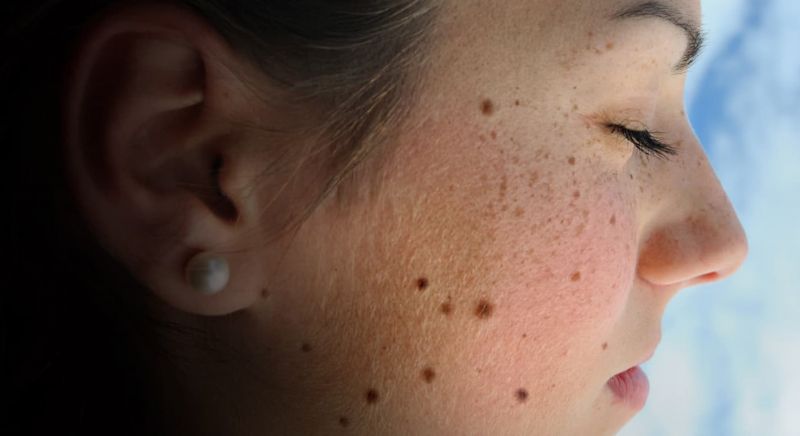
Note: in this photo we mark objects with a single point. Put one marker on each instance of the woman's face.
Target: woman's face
(517, 253)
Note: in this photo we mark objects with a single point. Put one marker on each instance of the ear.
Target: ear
(151, 150)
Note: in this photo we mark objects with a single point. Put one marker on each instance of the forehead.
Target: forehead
(534, 37)
(543, 13)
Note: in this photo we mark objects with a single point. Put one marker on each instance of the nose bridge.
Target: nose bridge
(701, 240)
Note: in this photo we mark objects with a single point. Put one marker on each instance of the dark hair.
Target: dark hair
(74, 322)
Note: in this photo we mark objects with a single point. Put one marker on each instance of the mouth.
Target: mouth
(631, 387)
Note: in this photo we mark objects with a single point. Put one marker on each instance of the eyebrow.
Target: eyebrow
(658, 9)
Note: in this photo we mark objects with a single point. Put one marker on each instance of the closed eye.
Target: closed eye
(644, 141)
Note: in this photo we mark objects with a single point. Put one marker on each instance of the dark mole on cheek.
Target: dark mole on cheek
(306, 347)
(343, 421)
(422, 283)
(484, 309)
(522, 395)
(605, 345)
(576, 276)
(487, 107)
(446, 308)
(571, 160)
(516, 102)
(372, 396)
(428, 374)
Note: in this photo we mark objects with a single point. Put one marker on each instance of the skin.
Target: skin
(500, 259)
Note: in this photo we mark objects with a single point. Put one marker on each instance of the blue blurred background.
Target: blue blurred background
(729, 361)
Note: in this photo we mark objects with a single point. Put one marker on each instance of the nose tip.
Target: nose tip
(729, 263)
(699, 249)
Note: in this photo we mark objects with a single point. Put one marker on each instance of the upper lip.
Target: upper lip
(647, 355)
(650, 350)
(646, 358)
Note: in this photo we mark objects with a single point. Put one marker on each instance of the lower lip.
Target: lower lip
(631, 387)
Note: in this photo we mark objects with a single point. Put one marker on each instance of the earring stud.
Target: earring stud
(208, 273)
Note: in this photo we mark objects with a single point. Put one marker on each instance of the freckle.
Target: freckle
(552, 386)
(422, 283)
(576, 194)
(609, 45)
(516, 102)
(493, 134)
(428, 374)
(571, 160)
(487, 107)
(613, 220)
(631, 176)
(590, 34)
(522, 395)
(605, 345)
(576, 276)
(343, 421)
(519, 212)
(574, 107)
(265, 293)
(598, 51)
(482, 138)
(524, 335)
(306, 347)
(515, 160)
(484, 309)
(446, 308)
(372, 396)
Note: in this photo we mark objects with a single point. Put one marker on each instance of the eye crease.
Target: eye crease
(644, 141)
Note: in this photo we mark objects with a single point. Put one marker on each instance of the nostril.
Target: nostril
(710, 277)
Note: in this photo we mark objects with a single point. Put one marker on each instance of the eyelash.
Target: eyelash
(645, 141)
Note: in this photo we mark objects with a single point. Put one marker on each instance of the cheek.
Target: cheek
(561, 262)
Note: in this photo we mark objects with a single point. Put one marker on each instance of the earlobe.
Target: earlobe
(144, 150)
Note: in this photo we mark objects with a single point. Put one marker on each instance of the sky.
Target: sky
(729, 358)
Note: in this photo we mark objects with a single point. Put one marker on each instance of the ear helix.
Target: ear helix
(208, 273)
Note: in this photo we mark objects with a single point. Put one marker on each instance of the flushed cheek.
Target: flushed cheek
(564, 266)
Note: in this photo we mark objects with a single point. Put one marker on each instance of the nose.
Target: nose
(697, 239)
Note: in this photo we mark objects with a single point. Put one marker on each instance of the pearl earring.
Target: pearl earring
(208, 273)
